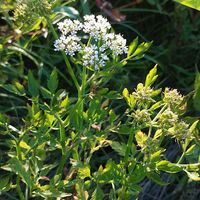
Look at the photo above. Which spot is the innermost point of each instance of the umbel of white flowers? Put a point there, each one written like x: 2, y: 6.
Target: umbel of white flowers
x: 91, y: 38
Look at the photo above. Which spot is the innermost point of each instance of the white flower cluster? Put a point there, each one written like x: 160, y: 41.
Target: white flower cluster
x: 96, y: 27
x: 90, y: 38
x: 70, y: 44
x: 94, y: 57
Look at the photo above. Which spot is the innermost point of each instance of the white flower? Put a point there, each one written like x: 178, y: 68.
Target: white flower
x: 70, y: 44
x: 70, y: 27
x: 94, y: 57
x: 100, y: 45
x: 96, y: 27
x: 116, y: 43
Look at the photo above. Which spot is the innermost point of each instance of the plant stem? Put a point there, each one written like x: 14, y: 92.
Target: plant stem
x: 181, y: 158
x: 155, y: 118
x: 21, y: 196
x: 130, y: 141
x: 82, y: 93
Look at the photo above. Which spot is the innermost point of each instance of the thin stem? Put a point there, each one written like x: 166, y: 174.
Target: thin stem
x: 130, y: 141
x: 181, y: 158
x: 155, y: 118
x: 21, y: 195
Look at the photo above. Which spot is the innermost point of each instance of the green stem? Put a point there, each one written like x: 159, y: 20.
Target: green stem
x: 21, y: 195
x: 130, y: 141
x: 181, y: 158
x: 62, y: 142
x: 68, y: 65
x: 155, y: 118
x: 83, y: 86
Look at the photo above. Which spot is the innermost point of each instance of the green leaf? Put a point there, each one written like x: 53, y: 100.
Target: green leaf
x: 24, y: 145
x: 169, y: 167
x: 151, y: 77
x: 193, y: 126
x: 133, y: 46
x: 141, y: 138
x: 97, y: 194
x: 84, y: 171
x: 4, y: 183
x: 156, y: 178
x: 190, y: 150
x: 15, y: 88
x: 196, y: 97
x: 119, y: 148
x: 190, y: 3
x: 53, y: 81
x: 67, y: 11
x: 33, y: 86
x: 193, y: 176
x: 141, y: 49
x: 19, y: 168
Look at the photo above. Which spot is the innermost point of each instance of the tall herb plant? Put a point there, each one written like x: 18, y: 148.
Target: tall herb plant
x: 90, y: 142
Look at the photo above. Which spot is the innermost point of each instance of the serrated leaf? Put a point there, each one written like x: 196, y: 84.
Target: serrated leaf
x: 97, y: 194
x: 156, y: 178
x: 15, y: 88
x: 18, y: 168
x: 33, y: 86
x: 119, y: 148
x: 4, y: 182
x: 53, y: 81
x: 190, y: 3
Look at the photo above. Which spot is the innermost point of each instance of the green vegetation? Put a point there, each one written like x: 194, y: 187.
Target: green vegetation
x: 97, y: 108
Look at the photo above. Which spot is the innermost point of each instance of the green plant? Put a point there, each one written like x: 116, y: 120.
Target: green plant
x: 61, y: 145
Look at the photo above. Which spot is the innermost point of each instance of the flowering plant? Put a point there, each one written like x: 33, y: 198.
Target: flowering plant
x: 87, y: 141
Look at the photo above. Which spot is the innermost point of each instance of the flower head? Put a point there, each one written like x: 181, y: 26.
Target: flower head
x: 37, y: 8
x: 68, y: 44
x: 69, y: 26
x: 143, y: 94
x: 92, y: 56
x: 91, y: 39
x: 180, y: 131
x: 172, y: 97
x: 96, y: 26
x: 167, y: 119
x: 116, y: 43
x: 141, y: 117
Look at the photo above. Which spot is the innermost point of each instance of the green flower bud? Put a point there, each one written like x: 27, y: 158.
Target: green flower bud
x: 172, y: 98
x: 180, y: 131
x: 167, y: 119
x: 28, y: 11
x: 143, y: 94
x: 141, y: 117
